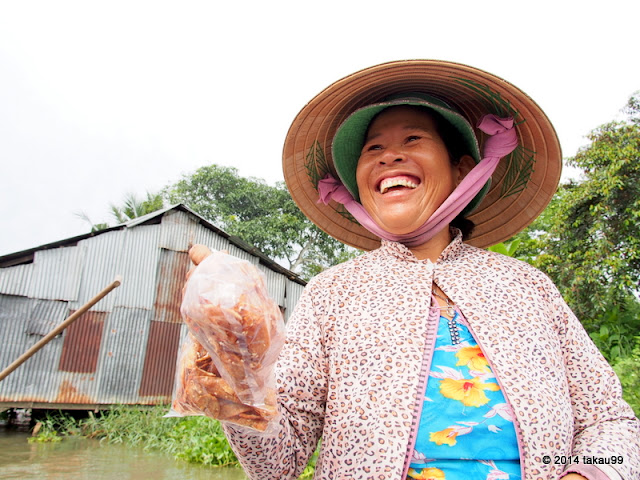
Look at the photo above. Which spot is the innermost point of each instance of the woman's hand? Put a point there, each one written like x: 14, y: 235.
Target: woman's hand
x: 197, y: 254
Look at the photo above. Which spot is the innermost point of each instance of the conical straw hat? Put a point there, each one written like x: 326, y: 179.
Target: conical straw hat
x: 522, y: 185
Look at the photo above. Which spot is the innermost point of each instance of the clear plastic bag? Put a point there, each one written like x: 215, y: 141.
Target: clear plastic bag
x: 236, y: 333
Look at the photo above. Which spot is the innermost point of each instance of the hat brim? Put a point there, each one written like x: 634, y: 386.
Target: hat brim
x: 522, y: 185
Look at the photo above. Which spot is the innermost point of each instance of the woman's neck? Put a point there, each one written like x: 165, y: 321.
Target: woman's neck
x: 434, y: 247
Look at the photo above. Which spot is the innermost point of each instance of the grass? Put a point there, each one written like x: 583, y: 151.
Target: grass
x: 191, y: 439
x: 628, y: 369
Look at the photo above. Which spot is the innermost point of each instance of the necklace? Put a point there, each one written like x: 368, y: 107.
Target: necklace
x: 451, y: 322
x: 449, y: 308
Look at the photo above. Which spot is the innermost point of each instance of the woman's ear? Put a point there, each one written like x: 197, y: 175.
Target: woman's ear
x: 463, y: 167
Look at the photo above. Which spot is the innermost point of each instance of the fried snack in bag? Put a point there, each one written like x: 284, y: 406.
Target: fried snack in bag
x: 201, y: 391
x: 236, y: 333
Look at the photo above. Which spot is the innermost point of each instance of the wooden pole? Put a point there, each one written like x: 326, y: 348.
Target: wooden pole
x: 53, y: 333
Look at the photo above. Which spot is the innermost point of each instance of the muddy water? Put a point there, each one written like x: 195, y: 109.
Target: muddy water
x: 79, y: 459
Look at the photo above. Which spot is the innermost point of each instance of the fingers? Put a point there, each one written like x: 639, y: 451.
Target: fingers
x: 198, y: 253
x: 191, y: 270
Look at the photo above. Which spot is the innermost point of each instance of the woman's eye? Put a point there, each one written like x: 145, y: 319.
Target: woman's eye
x: 373, y: 147
x: 413, y: 138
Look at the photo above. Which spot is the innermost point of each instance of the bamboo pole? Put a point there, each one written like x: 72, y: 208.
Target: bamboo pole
x: 72, y: 318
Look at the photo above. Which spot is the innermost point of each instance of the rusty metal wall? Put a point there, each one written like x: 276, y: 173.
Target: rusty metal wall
x: 36, y: 378
x: 15, y: 280
x: 138, y: 267
x: 125, y: 350
x: 122, y: 355
x: 238, y: 252
x: 103, y: 262
x: 56, y: 274
x: 81, y: 346
x: 172, y: 270
x: 275, y: 282
x: 214, y: 241
x: 293, y: 292
x: 178, y: 231
x: 161, y: 354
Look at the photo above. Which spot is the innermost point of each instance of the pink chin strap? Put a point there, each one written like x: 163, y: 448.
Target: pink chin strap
x: 503, y: 140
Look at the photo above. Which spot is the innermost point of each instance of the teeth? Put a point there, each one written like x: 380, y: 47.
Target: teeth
x: 387, y: 183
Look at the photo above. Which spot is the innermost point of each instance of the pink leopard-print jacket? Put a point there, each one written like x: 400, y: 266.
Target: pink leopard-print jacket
x: 359, y: 346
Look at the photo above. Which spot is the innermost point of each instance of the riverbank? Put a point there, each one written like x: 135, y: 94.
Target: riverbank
x: 77, y: 458
x: 196, y: 440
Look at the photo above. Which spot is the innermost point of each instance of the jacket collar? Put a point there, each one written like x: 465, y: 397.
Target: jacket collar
x: 402, y: 252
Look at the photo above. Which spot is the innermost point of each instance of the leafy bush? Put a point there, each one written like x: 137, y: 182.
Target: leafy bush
x: 192, y: 439
x: 615, y: 329
x: 209, y: 449
x: 309, y: 470
x: 54, y: 427
x: 46, y: 432
x: 628, y: 369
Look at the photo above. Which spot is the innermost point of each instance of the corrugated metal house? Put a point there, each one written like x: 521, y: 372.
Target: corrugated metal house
x: 124, y: 349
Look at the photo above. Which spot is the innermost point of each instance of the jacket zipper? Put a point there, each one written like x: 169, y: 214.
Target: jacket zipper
x: 430, y: 341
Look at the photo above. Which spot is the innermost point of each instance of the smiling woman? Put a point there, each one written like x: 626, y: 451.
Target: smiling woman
x: 428, y: 357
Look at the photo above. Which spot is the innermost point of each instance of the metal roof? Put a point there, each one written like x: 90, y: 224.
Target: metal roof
x: 26, y: 256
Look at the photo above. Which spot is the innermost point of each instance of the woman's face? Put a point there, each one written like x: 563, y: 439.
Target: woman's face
x: 404, y: 172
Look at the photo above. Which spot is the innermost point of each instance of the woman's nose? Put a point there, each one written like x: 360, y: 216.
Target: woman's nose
x: 392, y: 156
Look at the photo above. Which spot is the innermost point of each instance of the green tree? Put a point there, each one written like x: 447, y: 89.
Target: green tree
x: 628, y: 369
x: 614, y: 329
x: 260, y: 214
x: 95, y: 227
x: 506, y: 248
x: 596, y: 236
x: 588, y: 239
x: 133, y: 207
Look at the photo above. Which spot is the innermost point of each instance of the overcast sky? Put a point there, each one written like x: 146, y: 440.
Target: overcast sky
x: 101, y: 99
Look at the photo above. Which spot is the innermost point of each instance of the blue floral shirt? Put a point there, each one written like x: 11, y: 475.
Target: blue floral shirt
x: 466, y: 427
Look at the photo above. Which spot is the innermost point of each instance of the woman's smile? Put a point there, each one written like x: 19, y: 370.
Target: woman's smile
x: 397, y: 183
